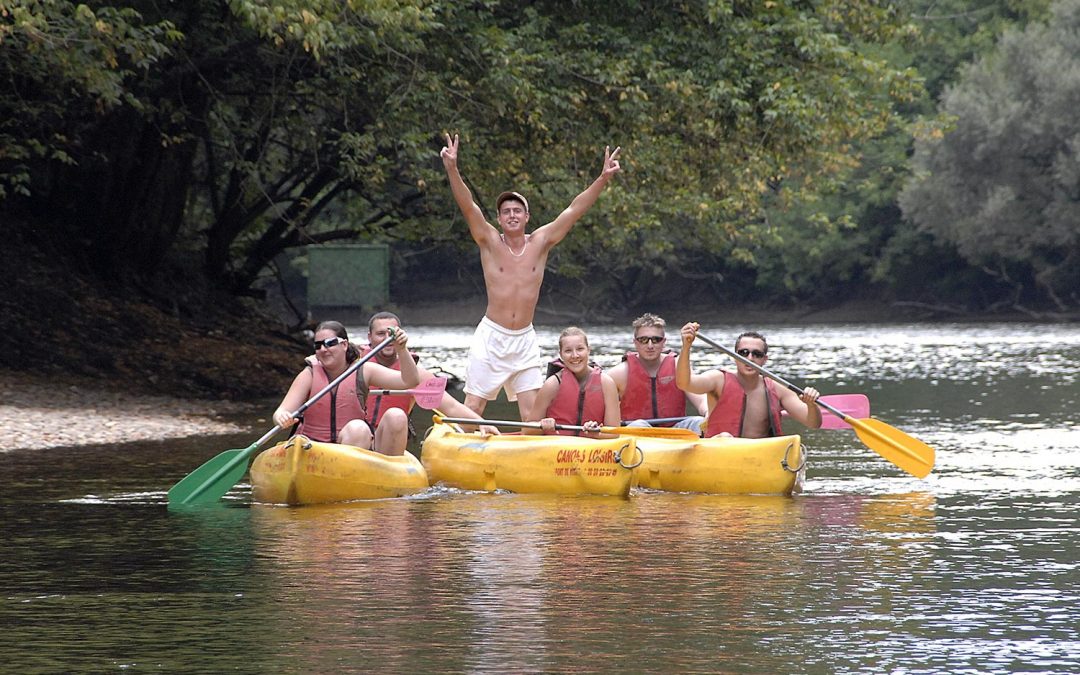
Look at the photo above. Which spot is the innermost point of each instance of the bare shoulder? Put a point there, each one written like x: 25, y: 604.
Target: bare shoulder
x: 541, y: 237
x: 716, y: 377
x: 550, y: 384
x: 486, y: 235
x: 788, y: 397
x: 618, y: 373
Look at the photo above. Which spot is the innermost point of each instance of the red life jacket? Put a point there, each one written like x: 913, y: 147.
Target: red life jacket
x: 323, y: 420
x: 727, y: 414
x: 649, y: 397
x: 576, y: 404
x: 378, y: 405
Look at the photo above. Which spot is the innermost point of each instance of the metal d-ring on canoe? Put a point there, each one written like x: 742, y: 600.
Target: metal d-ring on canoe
x: 622, y: 451
x: 787, y: 465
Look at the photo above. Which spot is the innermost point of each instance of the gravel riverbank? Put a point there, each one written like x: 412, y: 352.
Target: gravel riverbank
x: 66, y: 412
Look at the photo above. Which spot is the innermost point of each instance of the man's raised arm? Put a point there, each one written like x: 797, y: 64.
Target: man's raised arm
x: 685, y: 378
x: 556, y: 230
x: 474, y: 217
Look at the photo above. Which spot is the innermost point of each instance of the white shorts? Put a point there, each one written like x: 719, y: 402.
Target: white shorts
x: 500, y: 357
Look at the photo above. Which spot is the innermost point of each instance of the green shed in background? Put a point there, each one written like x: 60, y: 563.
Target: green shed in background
x: 348, y: 276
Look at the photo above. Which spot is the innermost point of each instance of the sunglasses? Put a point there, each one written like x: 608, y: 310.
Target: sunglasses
x: 646, y: 339
x: 746, y: 353
x: 328, y: 342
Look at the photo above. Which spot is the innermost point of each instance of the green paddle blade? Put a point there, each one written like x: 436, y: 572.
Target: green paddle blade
x: 212, y: 480
x: 906, y: 452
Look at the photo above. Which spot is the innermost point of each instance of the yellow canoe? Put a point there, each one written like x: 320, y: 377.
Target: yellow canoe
x: 302, y: 471
x: 529, y: 464
x: 722, y: 465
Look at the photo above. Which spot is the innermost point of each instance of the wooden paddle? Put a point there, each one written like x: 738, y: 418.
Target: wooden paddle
x: 428, y: 395
x: 651, y: 432
x: 210, y: 482
x: 906, y: 452
x: 855, y: 405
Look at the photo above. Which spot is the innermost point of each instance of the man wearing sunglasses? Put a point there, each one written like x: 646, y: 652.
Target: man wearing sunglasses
x: 744, y: 403
x: 504, y: 353
x: 646, y: 381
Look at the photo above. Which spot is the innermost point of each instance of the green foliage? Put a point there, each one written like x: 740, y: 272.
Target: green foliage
x: 849, y: 237
x: 1002, y: 184
x: 65, y: 64
x: 713, y: 103
x: 761, y: 138
x: 954, y: 33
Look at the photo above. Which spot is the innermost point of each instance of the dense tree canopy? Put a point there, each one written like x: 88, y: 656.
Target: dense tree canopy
x: 1002, y: 183
x: 242, y: 128
x: 765, y: 141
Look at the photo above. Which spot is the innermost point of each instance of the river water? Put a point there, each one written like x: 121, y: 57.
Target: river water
x: 973, y: 569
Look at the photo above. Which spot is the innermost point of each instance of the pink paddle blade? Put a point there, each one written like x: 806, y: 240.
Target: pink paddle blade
x: 852, y: 405
x: 429, y: 394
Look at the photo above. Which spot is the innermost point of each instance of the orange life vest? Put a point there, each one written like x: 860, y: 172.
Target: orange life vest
x: 576, y: 403
x: 727, y: 414
x: 650, y: 397
x: 324, y: 420
x: 377, y: 405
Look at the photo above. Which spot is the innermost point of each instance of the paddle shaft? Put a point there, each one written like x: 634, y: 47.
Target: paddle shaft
x: 397, y: 392
x: 510, y: 423
x: 435, y: 385
x: 661, y: 420
x: 855, y: 405
x: 617, y: 431
x: 242, y: 456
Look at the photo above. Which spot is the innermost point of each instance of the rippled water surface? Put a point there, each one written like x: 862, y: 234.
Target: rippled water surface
x: 973, y: 569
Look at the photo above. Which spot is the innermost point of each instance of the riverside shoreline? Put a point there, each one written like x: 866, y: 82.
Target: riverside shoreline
x: 40, y: 411
x: 61, y: 412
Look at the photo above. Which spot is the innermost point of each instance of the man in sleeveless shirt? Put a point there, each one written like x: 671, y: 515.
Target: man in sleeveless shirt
x: 504, y: 352
x: 646, y: 381
x: 744, y: 403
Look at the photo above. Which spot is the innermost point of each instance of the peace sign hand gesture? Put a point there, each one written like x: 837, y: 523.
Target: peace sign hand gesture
x: 611, y: 162
x: 450, y: 152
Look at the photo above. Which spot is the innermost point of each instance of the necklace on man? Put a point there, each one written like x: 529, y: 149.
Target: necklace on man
x: 516, y: 255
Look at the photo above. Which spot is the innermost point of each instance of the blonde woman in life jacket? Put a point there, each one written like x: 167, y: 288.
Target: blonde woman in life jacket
x: 577, y: 393
x: 339, y: 416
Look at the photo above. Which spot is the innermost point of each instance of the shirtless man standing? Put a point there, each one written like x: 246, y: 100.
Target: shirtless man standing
x: 504, y: 351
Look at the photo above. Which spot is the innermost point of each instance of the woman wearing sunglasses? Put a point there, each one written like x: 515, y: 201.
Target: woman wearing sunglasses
x: 339, y: 416
x: 744, y: 403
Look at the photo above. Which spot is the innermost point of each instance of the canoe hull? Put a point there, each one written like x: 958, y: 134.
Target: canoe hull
x: 529, y: 464
x: 301, y: 471
x: 721, y: 465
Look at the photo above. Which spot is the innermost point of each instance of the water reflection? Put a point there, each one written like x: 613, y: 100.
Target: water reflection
x: 972, y: 569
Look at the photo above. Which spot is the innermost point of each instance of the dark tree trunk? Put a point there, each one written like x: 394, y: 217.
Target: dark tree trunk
x: 121, y: 207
